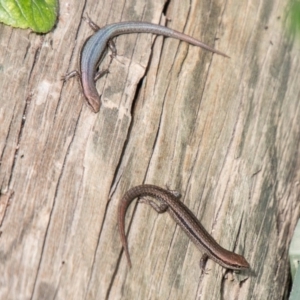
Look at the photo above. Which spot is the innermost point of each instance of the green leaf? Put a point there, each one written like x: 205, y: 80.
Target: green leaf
x: 39, y: 15
x: 294, y: 18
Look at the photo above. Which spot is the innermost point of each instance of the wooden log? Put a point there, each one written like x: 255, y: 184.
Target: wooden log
x: 224, y: 132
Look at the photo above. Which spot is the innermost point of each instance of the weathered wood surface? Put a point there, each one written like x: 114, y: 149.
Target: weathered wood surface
x: 224, y: 132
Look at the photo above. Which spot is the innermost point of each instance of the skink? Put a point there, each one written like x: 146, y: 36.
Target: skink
x: 186, y: 220
x: 94, y: 49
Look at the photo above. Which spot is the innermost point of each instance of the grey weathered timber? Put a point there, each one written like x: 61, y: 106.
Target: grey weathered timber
x: 224, y: 132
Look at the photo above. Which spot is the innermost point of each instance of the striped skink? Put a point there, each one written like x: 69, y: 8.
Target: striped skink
x: 185, y: 218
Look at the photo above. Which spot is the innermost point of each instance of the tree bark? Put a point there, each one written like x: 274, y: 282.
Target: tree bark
x: 223, y: 132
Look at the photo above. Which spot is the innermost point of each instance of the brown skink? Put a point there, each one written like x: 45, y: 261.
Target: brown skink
x: 169, y: 201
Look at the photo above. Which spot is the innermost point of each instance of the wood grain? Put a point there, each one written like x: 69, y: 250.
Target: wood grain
x: 224, y: 132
